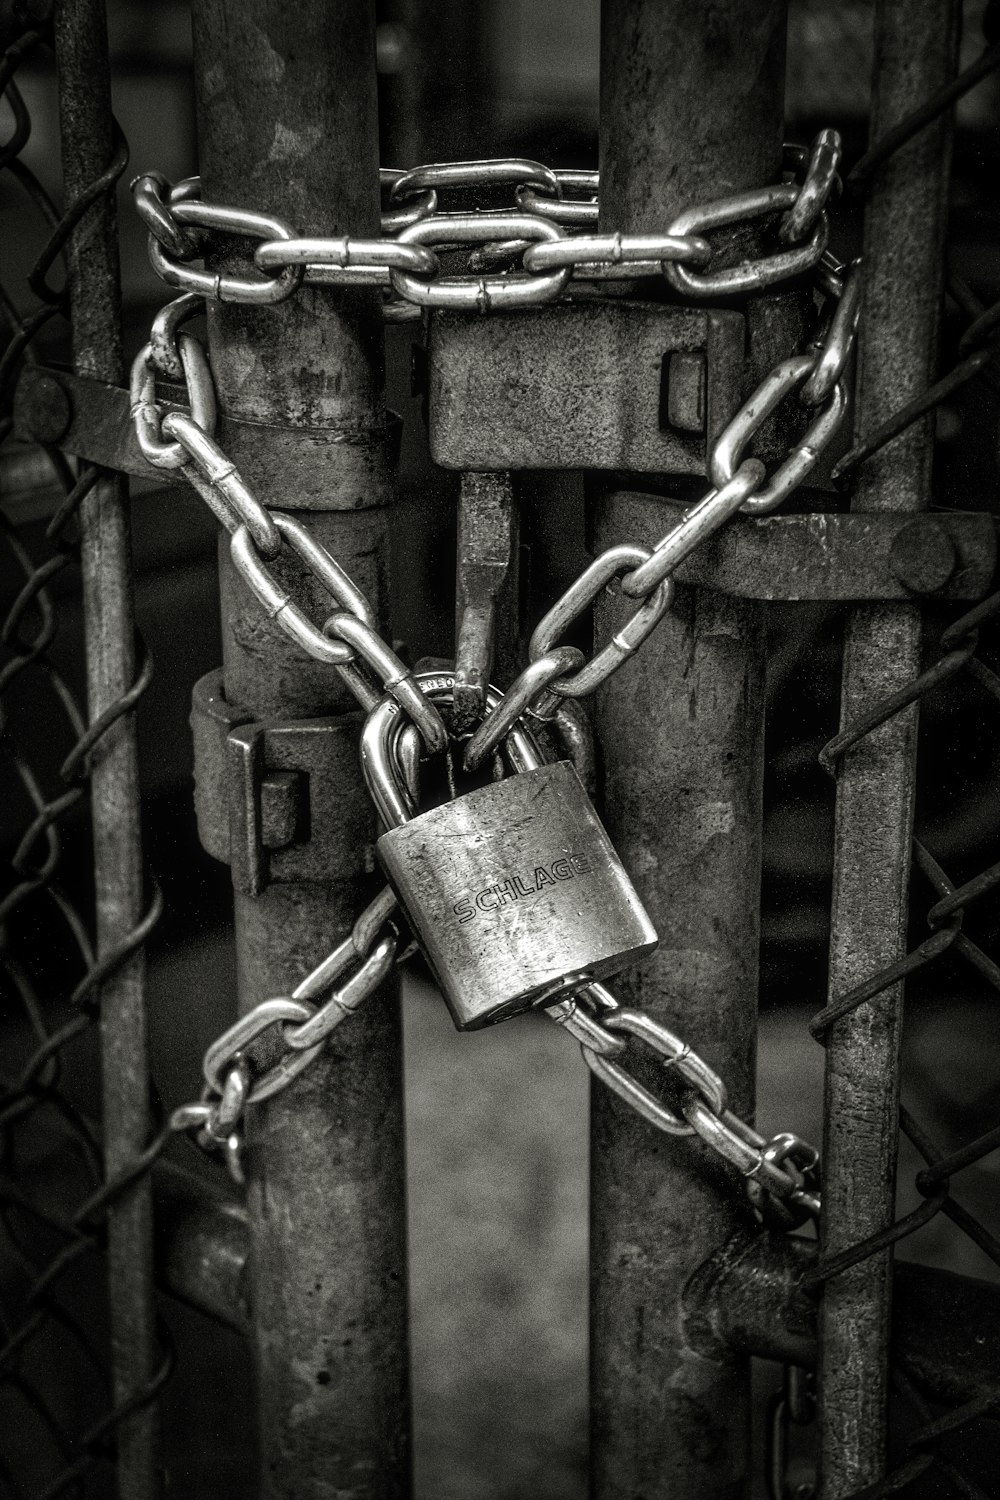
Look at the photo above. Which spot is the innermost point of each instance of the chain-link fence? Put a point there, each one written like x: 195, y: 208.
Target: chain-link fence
x: 62, y: 1415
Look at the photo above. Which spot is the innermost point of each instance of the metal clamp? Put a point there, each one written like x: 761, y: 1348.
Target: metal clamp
x: 279, y: 802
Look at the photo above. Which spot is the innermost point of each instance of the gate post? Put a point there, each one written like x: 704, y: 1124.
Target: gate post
x: 287, y: 125
x: 80, y: 34
x: 691, y: 109
x: 905, y: 218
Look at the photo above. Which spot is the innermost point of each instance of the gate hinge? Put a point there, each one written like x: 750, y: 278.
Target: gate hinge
x: 281, y: 802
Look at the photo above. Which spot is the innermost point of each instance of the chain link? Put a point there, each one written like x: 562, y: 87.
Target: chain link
x: 215, y: 284
x: 580, y: 595
x: 583, y: 211
x: 164, y: 350
x: 483, y: 293
x: 490, y: 173
x: 727, y: 451
x: 794, y: 1406
x: 739, y: 484
x: 349, y: 634
x: 784, y: 1167
x: 698, y: 524
x: 837, y: 338
x: 582, y: 251
x: 820, y: 182
x: 147, y: 416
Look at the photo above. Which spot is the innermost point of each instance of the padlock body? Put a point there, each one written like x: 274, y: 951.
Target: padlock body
x: 511, y: 888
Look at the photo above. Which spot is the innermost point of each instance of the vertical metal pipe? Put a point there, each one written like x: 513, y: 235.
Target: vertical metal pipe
x: 287, y: 123
x: 903, y: 251
x: 105, y: 550
x: 691, y: 108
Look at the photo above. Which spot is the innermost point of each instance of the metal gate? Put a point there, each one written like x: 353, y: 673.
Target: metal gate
x: 637, y: 357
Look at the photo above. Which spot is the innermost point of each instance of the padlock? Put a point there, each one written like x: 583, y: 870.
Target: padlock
x: 513, y: 890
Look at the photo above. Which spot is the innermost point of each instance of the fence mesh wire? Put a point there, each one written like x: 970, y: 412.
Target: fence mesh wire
x: 55, y: 1387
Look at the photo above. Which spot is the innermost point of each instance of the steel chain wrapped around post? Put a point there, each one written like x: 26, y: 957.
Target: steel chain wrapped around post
x: 406, y: 259
x: 372, y: 947
x: 567, y: 199
x: 412, y: 267
x: 538, y: 258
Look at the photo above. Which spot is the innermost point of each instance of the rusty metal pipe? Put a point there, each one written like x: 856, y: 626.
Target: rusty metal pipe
x: 692, y: 105
x: 691, y: 108
x: 201, y: 1247
x: 903, y: 257
x: 287, y: 124
x: 109, y: 626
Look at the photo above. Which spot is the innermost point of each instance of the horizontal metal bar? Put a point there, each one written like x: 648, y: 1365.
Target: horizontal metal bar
x: 200, y: 1246
x: 821, y: 556
x: 748, y: 1298
x: 830, y: 556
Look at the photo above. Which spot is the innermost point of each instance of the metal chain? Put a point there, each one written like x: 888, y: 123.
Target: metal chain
x: 784, y: 1167
x: 738, y: 484
x: 408, y: 262
x: 371, y: 949
x: 406, y: 259
x: 794, y: 1406
x: 349, y: 635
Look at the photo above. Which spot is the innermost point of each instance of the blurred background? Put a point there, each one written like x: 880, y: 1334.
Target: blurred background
x: 497, y: 1121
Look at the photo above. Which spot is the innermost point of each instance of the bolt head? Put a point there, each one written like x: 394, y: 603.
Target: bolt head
x: 44, y: 408
x: 923, y: 556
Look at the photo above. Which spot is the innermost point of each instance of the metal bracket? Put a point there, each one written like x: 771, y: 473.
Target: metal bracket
x: 279, y: 802
x: 88, y: 418
x: 619, y: 384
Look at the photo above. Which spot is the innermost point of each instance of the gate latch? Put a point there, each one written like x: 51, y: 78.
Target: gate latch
x: 644, y: 387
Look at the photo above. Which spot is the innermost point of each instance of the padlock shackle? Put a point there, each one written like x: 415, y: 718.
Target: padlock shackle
x: 522, y: 749
x: 392, y: 802
x: 379, y: 747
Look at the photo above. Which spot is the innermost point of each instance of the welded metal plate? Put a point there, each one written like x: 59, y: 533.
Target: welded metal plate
x: 617, y: 384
